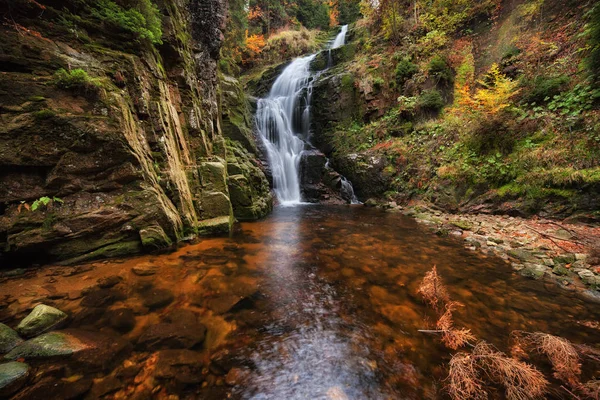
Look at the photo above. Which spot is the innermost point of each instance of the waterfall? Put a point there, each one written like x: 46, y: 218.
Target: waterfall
x: 280, y: 118
x: 283, y: 122
x: 340, y: 39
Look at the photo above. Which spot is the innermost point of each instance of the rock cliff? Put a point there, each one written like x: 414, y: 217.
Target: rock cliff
x: 110, y: 135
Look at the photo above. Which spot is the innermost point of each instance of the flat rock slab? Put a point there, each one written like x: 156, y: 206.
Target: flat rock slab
x: 50, y: 344
x: 12, y: 377
x: 41, y: 319
x: 9, y: 339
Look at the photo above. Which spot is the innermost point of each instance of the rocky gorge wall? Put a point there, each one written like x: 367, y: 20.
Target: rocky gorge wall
x: 110, y: 144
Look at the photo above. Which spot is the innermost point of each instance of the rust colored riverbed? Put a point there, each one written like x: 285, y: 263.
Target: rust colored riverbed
x: 314, y: 302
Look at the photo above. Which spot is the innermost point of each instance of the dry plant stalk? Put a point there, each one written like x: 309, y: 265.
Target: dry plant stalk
x: 521, y: 380
x: 453, y: 338
x: 433, y: 290
x: 591, y: 389
x: 562, y: 354
x: 464, y: 380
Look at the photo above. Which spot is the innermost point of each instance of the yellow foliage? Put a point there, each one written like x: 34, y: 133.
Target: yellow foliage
x: 493, y: 98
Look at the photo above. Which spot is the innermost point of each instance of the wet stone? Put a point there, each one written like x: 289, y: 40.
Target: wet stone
x: 12, y: 377
x: 183, y: 366
x: 560, y: 270
x: 157, y: 298
x: 104, y: 386
x: 50, y: 344
x: 121, y: 319
x: 53, y: 388
x: 145, y: 269
x: 99, y: 297
x: 41, y: 319
x: 181, y: 335
x: 9, y: 339
x: 109, y: 281
x: 236, y: 376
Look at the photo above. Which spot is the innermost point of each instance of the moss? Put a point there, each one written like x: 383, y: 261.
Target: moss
x: 347, y: 83
x: 44, y: 114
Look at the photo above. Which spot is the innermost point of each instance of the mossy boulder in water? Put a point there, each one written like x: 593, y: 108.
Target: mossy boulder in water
x: 12, y: 377
x: 50, y: 344
x: 154, y: 237
x: 8, y: 339
x: 41, y: 319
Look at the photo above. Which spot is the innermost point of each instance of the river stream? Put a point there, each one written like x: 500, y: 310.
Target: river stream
x: 313, y: 302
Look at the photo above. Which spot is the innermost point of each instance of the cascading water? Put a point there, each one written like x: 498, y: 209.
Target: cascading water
x: 340, y: 39
x: 283, y: 121
x: 277, y: 121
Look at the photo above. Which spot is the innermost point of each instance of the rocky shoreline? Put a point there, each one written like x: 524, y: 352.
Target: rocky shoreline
x: 564, y: 253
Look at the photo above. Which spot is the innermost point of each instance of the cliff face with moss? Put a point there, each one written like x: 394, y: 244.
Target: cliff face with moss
x: 111, y: 138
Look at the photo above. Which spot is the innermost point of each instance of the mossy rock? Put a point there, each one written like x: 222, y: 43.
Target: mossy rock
x: 52, y: 344
x: 154, y: 237
x: 41, y: 319
x: 9, y: 339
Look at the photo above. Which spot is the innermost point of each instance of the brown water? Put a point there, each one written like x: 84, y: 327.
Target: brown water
x: 314, y: 302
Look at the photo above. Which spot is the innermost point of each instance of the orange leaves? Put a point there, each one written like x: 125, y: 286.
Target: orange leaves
x: 255, y: 14
x: 334, y: 13
x: 255, y: 44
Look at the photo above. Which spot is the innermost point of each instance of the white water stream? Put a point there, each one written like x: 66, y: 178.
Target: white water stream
x: 283, y: 121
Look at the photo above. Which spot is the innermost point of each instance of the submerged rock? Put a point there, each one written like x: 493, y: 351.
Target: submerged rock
x: 12, y: 377
x: 121, y: 319
x: 145, y: 269
x: 157, y: 298
x: 184, y: 335
x: 41, y: 319
x: 184, y: 366
x: 9, y: 339
x: 47, y: 345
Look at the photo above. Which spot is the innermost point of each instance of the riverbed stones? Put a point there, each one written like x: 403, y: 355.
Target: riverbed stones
x: 121, y: 319
x: 157, y: 298
x: 50, y: 344
x: 534, y: 271
x: 589, y: 278
x: 521, y: 254
x: 9, y: 339
x: 179, y: 365
x: 109, y: 281
x: 41, y: 319
x: 180, y: 335
x: 12, y: 377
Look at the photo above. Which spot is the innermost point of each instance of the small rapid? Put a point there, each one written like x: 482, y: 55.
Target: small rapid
x: 283, y: 122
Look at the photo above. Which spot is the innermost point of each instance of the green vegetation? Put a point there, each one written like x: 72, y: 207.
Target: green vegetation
x: 593, y: 32
x: 431, y: 100
x: 439, y: 70
x: 544, y: 88
x: 45, y: 201
x: 405, y: 70
x: 141, y: 18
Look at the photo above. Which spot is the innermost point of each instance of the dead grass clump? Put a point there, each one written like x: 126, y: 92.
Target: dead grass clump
x: 591, y: 389
x: 560, y: 352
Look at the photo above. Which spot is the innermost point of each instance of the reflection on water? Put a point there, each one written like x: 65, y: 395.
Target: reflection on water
x: 320, y: 302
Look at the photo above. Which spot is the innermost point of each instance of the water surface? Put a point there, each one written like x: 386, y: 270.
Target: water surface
x: 319, y: 302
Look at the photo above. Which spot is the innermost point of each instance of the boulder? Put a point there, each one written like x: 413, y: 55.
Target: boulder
x: 12, y: 377
x: 145, y: 269
x: 9, y: 339
x: 41, y: 319
x: 121, y: 319
x: 154, y: 237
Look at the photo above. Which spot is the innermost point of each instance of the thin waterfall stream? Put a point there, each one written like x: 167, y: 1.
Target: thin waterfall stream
x: 283, y: 122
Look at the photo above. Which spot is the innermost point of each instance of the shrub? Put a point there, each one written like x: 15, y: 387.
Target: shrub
x: 405, y: 70
x: 440, y: 70
x: 544, y: 88
x: 431, y: 100
x: 143, y: 18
